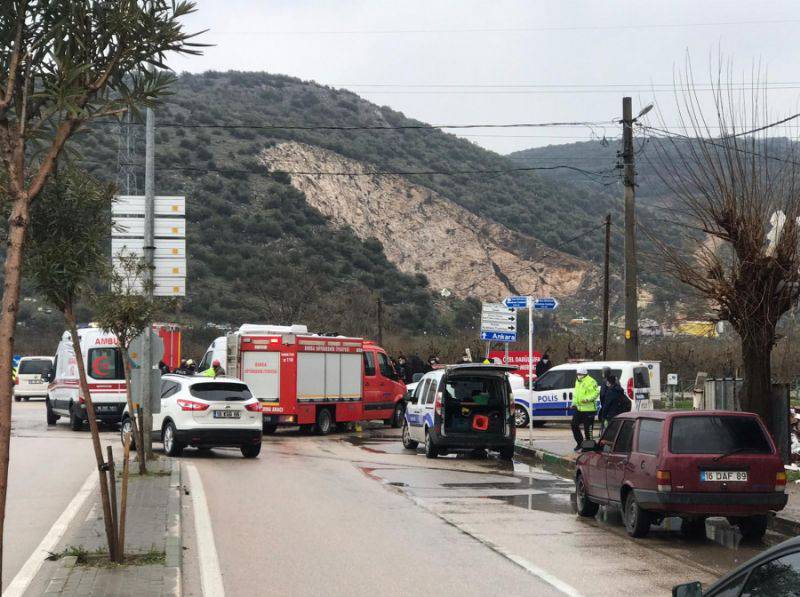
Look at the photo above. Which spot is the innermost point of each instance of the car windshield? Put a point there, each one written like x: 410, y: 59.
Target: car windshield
x: 717, y: 435
x: 35, y: 367
x: 214, y: 392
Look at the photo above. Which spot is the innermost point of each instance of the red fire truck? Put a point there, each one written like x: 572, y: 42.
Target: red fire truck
x: 311, y: 380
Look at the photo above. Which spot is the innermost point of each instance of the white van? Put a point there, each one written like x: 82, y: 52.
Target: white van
x: 103, y: 361
x: 552, y: 392
x: 32, y: 375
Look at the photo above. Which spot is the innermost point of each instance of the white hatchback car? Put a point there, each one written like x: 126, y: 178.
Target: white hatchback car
x: 203, y: 412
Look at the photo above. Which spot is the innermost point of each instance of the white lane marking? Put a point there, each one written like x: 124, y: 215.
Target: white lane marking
x: 31, y: 567
x: 529, y: 567
x: 210, y: 573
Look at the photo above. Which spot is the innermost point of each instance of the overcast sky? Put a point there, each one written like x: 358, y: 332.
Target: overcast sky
x: 498, y: 61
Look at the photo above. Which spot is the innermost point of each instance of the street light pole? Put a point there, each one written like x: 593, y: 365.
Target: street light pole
x: 149, y: 255
x: 629, y: 182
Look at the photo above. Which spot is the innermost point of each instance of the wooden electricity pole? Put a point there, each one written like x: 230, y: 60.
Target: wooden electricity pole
x: 629, y: 176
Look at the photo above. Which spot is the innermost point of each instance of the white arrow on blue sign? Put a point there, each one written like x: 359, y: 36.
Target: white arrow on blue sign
x: 545, y: 304
x: 516, y: 302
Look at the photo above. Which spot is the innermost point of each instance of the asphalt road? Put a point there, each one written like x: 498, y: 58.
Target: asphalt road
x: 349, y: 515
x: 48, y: 465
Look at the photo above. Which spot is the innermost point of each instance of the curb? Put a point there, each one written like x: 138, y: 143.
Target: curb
x: 174, y: 544
x: 778, y: 523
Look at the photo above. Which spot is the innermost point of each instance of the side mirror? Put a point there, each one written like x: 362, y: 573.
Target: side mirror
x: 48, y: 377
x: 589, y: 445
x: 689, y: 589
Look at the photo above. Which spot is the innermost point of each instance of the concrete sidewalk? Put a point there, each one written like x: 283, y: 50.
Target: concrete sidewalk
x: 554, y: 446
x: 153, y: 530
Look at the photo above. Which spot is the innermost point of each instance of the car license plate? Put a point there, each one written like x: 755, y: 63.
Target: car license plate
x: 33, y: 382
x: 226, y: 414
x: 103, y: 409
x: 740, y: 476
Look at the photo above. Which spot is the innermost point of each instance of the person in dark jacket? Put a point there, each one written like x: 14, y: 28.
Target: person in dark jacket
x: 613, y: 400
x: 543, y: 365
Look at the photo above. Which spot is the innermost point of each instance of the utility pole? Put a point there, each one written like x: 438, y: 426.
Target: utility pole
x: 605, y: 287
x: 149, y: 256
x: 629, y: 180
x: 380, y: 321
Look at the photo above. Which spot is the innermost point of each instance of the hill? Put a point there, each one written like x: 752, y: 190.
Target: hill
x: 262, y: 246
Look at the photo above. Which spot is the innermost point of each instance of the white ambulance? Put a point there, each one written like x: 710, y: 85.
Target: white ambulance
x: 105, y: 375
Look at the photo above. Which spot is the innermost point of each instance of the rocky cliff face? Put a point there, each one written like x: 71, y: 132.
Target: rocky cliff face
x: 422, y: 232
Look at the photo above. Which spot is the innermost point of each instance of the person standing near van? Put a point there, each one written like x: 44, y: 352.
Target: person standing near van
x: 613, y: 400
x: 215, y: 370
x: 584, y: 398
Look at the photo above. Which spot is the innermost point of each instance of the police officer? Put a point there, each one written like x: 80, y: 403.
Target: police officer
x: 584, y: 398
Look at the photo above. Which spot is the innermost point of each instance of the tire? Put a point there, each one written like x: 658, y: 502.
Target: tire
x: 396, y: 419
x: 75, y: 422
x: 325, y: 422
x: 637, y: 521
x: 51, y: 416
x: 127, y: 427
x: 431, y: 451
x: 269, y: 429
x: 172, y: 447
x: 408, y: 443
x: 521, y: 418
x: 753, y: 527
x: 251, y: 450
x: 693, y: 528
x: 507, y: 453
x: 586, y: 507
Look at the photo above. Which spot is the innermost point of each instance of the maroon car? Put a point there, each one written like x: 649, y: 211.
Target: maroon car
x: 691, y: 464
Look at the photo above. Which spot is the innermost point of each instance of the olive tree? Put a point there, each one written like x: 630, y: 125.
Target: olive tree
x: 64, y: 64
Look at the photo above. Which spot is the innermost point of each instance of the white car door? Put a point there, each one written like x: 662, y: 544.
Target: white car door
x: 414, y: 411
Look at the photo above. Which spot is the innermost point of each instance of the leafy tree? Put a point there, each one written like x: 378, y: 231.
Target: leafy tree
x: 63, y: 64
x: 64, y: 262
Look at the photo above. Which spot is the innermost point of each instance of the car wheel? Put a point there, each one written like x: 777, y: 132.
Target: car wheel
x: 507, y: 453
x: 127, y: 427
x: 637, y: 521
x: 51, y: 416
x: 172, y: 447
x: 269, y: 429
x: 251, y: 450
x: 753, y: 527
x: 431, y: 451
x: 693, y: 528
x: 397, y: 416
x: 586, y: 507
x: 408, y: 443
x: 324, y: 422
x: 75, y: 421
x: 521, y: 418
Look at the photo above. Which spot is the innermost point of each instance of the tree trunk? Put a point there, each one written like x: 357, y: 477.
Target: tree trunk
x: 111, y: 533
x: 12, y: 270
x: 136, y: 425
x: 757, y: 382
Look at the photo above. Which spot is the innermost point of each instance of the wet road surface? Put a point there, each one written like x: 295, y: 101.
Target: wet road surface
x: 356, y: 513
x: 48, y: 465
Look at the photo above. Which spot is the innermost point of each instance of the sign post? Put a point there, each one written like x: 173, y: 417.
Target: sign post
x: 540, y: 304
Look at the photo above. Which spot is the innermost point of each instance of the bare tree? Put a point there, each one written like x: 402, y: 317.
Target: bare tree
x: 735, y: 202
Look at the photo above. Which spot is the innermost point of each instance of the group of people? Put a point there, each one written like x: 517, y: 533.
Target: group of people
x: 188, y: 367
x: 613, y: 402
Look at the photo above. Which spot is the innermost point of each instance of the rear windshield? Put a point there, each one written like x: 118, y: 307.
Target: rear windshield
x: 220, y: 391
x: 717, y: 435
x: 35, y: 367
x: 641, y: 377
x: 105, y: 363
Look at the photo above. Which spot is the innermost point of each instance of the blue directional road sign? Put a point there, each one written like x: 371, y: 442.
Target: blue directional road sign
x: 499, y: 336
x: 545, y: 304
x: 516, y: 302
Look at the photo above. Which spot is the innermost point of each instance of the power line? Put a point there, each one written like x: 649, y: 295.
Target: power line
x: 518, y: 84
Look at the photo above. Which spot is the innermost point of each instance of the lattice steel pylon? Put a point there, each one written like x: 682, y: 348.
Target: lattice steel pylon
x: 126, y: 152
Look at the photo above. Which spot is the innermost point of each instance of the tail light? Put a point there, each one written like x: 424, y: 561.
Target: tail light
x: 780, y: 481
x: 16, y: 380
x: 253, y: 407
x: 630, y: 388
x: 664, y: 480
x: 191, y: 405
x: 437, y: 406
